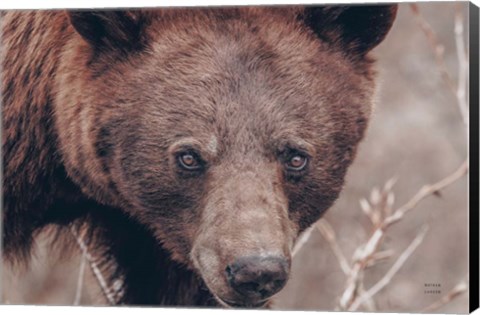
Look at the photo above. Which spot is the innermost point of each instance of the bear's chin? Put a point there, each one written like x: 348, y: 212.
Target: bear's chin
x: 242, y: 304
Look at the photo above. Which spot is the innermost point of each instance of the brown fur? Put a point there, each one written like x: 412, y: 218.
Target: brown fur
x: 97, y: 107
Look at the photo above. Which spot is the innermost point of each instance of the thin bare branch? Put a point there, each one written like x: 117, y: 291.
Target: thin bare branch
x: 328, y: 233
x: 461, y: 92
x: 379, y: 257
x: 369, y: 304
x: 391, y: 272
x: 95, y: 269
x: 438, y: 49
x: 353, y: 283
x: 368, y: 210
x: 458, y: 290
x: 81, y: 276
x: 361, y: 258
x: 424, y: 192
x: 302, y: 240
x: 364, y: 255
x: 459, y: 89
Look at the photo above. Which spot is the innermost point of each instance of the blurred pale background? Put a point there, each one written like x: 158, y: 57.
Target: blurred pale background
x: 416, y: 133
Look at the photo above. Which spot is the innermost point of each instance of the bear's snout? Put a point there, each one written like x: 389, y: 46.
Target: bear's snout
x: 257, y: 277
x: 242, y: 248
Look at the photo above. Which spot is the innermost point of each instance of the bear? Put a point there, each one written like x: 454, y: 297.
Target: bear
x: 189, y: 147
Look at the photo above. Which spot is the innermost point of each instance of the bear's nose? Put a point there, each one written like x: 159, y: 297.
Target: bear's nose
x: 257, y: 277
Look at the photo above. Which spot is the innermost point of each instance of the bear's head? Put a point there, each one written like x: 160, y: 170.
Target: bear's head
x: 225, y: 132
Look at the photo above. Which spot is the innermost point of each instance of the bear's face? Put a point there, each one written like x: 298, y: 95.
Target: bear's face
x: 225, y: 132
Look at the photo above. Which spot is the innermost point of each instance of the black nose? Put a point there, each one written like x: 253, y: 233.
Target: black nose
x: 257, y: 277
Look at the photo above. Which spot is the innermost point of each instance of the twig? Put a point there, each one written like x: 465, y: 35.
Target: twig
x: 301, y: 241
x: 438, y: 49
x: 364, y: 255
x: 379, y: 256
x: 95, y: 269
x: 462, y: 65
x: 424, y: 192
x: 391, y: 272
x: 455, y: 292
x: 369, y: 304
x: 329, y: 234
x: 81, y: 276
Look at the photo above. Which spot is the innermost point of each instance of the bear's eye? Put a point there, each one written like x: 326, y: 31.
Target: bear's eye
x: 189, y: 161
x: 297, y: 162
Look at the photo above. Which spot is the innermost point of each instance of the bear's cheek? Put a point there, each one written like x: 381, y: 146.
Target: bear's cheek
x: 170, y: 208
x: 308, y: 205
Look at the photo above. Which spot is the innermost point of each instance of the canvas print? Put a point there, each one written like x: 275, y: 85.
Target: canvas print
x: 309, y: 157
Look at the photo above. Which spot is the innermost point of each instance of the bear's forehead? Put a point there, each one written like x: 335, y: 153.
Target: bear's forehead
x: 255, y: 74
x: 235, y: 91
x: 231, y: 63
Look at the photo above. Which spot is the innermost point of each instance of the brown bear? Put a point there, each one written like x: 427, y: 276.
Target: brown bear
x: 193, y: 145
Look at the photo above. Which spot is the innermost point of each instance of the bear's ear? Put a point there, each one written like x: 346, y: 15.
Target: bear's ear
x: 357, y: 29
x: 109, y: 29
